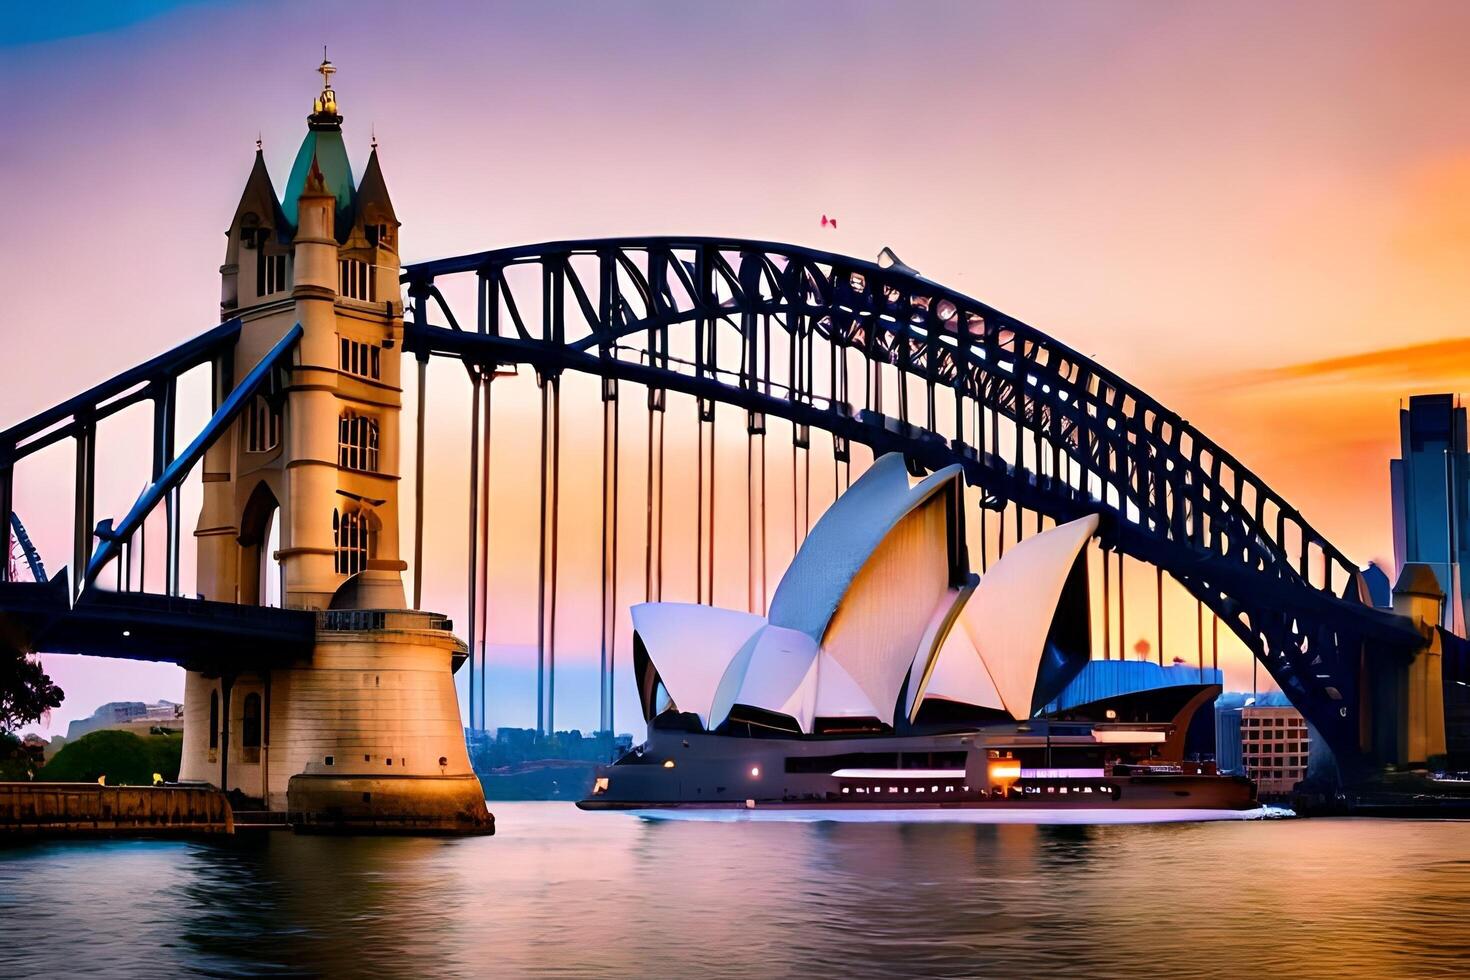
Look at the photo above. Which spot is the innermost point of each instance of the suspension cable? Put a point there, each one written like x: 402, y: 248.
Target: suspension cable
x: 755, y: 511
x: 473, y: 573
x: 1122, y: 631
x: 1215, y: 628
x: 1160, y: 572
x: 541, y: 570
x: 609, y: 549
x: 1199, y: 628
x: 483, y: 601
x: 555, y: 526
x: 654, y: 528
x: 699, y: 503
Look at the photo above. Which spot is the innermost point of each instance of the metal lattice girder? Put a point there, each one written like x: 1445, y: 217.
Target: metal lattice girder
x: 1168, y: 471
x: 1169, y: 495
x: 112, y: 396
x: 113, y: 537
x: 77, y: 418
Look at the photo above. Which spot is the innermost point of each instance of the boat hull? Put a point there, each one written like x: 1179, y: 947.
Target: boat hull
x: 948, y: 772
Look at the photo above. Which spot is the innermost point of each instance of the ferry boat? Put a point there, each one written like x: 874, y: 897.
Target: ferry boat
x: 1042, y: 765
x: 887, y: 675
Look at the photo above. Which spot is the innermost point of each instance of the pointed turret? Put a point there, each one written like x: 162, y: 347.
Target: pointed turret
x: 255, y: 230
x: 374, y: 206
x: 258, y: 207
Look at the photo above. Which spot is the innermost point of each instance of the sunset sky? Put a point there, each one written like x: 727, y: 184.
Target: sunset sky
x: 1259, y: 212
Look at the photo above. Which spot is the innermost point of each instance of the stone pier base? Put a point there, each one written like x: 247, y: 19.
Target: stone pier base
x: 409, y: 804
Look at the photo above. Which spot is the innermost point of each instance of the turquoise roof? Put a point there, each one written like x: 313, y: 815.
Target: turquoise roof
x: 331, y: 158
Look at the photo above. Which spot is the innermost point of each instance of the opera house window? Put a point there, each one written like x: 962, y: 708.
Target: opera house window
x: 357, y: 442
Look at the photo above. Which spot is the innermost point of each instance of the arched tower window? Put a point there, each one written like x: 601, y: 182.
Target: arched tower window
x: 270, y: 269
x: 262, y: 426
x: 357, y: 442
x: 250, y: 727
x: 356, y: 540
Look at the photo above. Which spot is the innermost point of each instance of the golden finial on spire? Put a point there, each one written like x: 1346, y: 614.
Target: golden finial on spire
x: 327, y: 101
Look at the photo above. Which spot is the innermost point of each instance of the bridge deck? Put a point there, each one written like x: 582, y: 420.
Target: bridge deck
x: 193, y: 633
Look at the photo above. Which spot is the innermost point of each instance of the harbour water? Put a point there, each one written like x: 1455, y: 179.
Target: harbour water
x: 566, y: 893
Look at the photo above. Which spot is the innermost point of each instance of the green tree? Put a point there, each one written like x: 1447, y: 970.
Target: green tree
x: 26, y: 693
x: 124, y: 758
x: 19, y: 758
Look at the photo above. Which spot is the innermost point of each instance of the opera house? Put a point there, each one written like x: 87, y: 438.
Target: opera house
x: 888, y: 674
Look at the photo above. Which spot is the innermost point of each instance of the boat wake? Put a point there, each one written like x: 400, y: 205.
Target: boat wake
x: 973, y: 816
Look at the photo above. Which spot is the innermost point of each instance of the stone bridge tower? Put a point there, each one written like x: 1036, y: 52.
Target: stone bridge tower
x: 301, y: 511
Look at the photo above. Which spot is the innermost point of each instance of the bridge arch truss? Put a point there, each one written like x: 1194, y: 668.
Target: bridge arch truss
x: 878, y: 355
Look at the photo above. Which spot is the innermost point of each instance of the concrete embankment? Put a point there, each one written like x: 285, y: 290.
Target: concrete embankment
x: 87, y: 809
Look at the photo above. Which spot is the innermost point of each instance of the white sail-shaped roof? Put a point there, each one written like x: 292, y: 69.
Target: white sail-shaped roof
x: 865, y: 580
x: 843, y: 540
x: 882, y: 618
x: 691, y: 646
x: 1011, y: 611
x: 868, y: 602
x: 960, y: 674
x: 775, y: 670
x: 784, y: 671
x: 947, y: 666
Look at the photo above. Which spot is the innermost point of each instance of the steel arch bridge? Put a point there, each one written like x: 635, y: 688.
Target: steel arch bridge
x: 816, y: 338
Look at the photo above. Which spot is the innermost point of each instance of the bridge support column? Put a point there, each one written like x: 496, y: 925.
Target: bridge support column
x: 1406, y: 724
x: 86, y: 489
x: 7, y: 504
x: 368, y: 734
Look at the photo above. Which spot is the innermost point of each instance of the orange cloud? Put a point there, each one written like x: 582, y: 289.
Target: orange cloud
x: 1418, y: 365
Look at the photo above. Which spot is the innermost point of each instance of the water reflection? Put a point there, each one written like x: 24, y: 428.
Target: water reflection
x: 564, y: 893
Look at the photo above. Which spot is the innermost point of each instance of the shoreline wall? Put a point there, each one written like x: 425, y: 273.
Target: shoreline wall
x: 81, y: 809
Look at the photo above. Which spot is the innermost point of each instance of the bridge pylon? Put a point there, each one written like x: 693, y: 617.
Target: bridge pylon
x: 300, y: 510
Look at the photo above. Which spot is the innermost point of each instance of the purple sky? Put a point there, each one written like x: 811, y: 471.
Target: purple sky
x: 1210, y: 198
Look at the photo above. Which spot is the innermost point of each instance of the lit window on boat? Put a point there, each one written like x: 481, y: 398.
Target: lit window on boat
x: 919, y: 789
x: 844, y: 789
x: 893, y: 789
